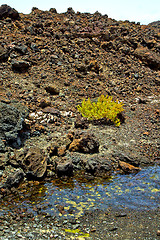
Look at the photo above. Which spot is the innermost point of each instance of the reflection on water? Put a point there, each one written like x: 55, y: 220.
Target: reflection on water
x: 137, y: 191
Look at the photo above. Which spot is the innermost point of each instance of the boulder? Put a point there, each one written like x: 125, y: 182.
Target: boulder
x: 85, y: 143
x: 148, y: 57
x: 33, y: 161
x: 133, y: 159
x: 7, y: 11
x: 98, y: 166
x: 11, y: 123
x: 21, y: 49
x: 64, y: 169
x: 53, y: 10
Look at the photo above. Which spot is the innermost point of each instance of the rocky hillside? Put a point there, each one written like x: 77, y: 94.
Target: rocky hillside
x: 51, y: 61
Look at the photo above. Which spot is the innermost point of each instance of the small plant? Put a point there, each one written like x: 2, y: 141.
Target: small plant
x: 105, y: 107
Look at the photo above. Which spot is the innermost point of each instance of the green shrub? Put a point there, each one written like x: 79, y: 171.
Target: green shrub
x: 105, y: 107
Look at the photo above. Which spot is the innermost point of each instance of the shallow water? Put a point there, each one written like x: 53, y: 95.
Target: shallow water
x: 71, y: 199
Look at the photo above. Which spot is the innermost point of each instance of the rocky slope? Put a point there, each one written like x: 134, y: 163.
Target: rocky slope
x: 49, y: 63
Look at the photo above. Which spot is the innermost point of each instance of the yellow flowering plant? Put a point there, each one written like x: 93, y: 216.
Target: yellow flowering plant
x: 105, y: 107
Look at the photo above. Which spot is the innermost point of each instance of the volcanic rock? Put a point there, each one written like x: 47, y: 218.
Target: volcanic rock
x: 98, y: 166
x: 7, y: 11
x: 84, y: 142
x: 14, y: 179
x: 3, y: 54
x: 20, y: 65
x: 11, y: 123
x: 128, y: 168
x: 50, y: 62
x: 148, y: 57
x: 64, y: 169
x: 33, y: 161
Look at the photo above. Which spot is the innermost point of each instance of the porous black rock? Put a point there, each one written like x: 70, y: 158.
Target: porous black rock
x: 11, y: 122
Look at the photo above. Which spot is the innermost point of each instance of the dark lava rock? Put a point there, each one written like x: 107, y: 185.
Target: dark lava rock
x: 53, y: 10
x: 99, y: 166
x: 70, y: 10
x: 7, y: 11
x: 2, y: 146
x: 64, y: 169
x: 11, y: 122
x: 20, y: 65
x: 125, y: 158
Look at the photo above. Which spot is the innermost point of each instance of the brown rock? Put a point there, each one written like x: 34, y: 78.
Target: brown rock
x: 148, y: 57
x: 20, y: 65
x: 62, y: 150
x: 52, y: 90
x: 128, y: 168
x: 44, y: 102
x: 85, y: 143
x: 3, y: 160
x: 33, y: 161
x: 51, y: 110
x: 75, y: 145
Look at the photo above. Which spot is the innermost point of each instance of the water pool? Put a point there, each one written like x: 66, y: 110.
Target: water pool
x: 72, y: 198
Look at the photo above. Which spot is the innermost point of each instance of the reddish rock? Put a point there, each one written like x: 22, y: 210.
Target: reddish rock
x: 61, y: 151
x: 85, y: 143
x: 148, y: 57
x: 128, y: 168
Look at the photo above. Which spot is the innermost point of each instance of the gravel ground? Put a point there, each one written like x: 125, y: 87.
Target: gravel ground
x: 111, y: 224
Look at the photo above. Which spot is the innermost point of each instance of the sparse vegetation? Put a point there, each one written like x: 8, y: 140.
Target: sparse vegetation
x: 105, y: 107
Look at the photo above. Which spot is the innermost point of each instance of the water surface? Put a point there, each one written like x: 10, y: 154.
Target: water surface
x: 139, y: 191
